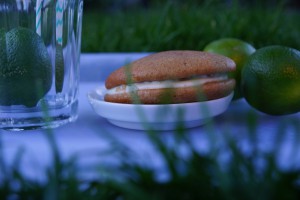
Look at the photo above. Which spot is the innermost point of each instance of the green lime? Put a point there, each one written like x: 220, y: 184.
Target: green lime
x: 59, y: 68
x: 271, y: 80
x: 25, y: 71
x: 239, y: 51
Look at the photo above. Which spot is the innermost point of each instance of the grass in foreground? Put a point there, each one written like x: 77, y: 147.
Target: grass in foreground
x: 226, y: 170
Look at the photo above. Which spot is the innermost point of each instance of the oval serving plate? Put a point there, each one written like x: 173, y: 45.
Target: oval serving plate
x: 156, y: 117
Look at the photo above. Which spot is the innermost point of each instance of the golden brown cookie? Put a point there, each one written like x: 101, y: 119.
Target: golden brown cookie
x: 171, y: 77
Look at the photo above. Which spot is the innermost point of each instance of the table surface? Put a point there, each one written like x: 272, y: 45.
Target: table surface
x: 90, y: 132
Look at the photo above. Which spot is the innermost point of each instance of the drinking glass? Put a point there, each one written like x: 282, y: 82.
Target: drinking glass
x: 40, y: 44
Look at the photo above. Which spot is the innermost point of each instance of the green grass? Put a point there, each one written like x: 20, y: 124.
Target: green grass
x: 187, y: 27
x: 202, y: 174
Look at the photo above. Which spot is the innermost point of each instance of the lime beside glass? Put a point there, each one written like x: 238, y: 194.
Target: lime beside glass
x: 271, y: 80
x: 236, y: 49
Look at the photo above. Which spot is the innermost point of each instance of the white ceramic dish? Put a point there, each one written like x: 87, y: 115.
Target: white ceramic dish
x: 156, y: 117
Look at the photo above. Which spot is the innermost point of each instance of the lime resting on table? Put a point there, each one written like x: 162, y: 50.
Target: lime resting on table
x: 271, y: 80
x: 236, y: 49
x: 25, y: 68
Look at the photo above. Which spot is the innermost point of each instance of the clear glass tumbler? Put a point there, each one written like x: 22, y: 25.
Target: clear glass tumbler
x: 40, y: 44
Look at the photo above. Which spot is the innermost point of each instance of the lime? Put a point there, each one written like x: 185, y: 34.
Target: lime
x: 59, y: 68
x: 25, y: 71
x: 238, y: 50
x: 271, y: 80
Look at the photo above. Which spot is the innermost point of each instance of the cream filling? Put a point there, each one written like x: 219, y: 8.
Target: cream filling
x: 192, y: 82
